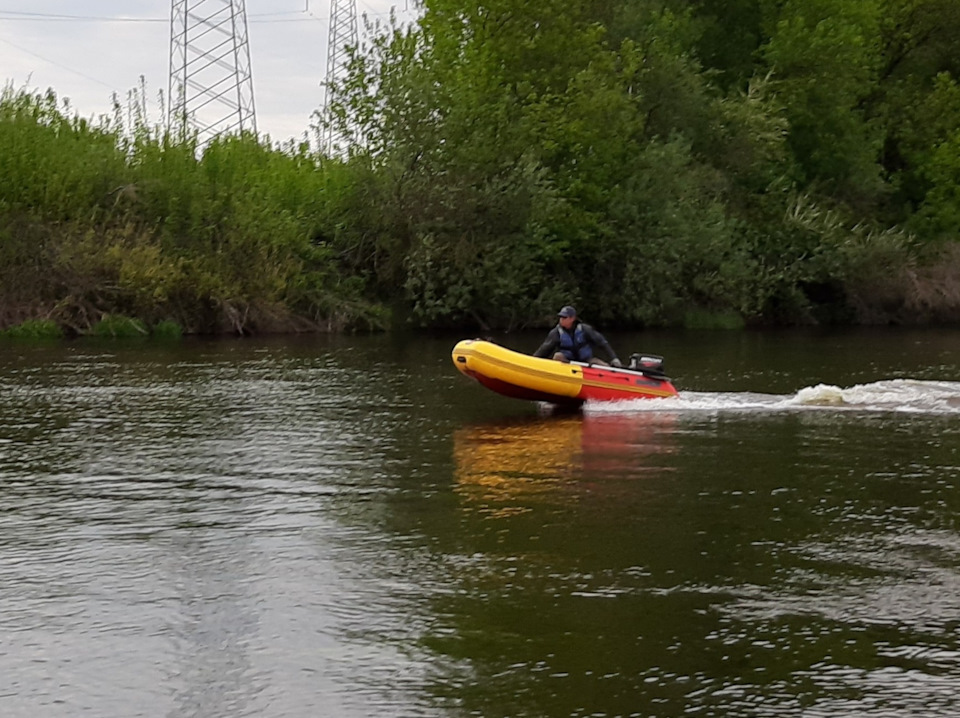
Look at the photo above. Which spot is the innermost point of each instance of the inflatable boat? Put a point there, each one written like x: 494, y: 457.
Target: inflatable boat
x: 522, y: 376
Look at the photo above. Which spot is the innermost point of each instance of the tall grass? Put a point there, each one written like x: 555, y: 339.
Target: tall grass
x: 100, y: 217
x: 33, y: 330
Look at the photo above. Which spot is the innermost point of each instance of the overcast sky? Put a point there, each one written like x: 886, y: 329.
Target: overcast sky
x: 86, y: 50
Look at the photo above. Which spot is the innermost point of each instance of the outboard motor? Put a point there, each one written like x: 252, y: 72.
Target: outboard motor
x: 649, y: 364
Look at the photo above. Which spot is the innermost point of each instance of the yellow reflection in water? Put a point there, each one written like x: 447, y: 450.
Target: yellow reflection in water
x: 505, y: 468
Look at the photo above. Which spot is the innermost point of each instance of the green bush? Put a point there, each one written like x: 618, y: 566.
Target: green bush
x: 118, y: 326
x: 34, y: 329
x: 167, y: 329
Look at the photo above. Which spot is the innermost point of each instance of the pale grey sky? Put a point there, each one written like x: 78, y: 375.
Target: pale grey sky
x: 86, y: 50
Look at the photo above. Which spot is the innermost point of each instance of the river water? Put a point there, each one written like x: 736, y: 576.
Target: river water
x: 348, y: 527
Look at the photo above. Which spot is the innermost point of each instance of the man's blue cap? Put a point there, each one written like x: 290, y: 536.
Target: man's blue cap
x: 567, y: 311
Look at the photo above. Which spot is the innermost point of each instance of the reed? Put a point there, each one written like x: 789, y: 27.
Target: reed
x: 34, y: 330
x: 117, y: 326
x: 116, y: 217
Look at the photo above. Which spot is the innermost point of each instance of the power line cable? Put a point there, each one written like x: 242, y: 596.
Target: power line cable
x: 57, y: 64
x: 43, y: 17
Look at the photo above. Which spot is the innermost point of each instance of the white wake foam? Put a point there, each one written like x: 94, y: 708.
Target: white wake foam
x: 891, y: 395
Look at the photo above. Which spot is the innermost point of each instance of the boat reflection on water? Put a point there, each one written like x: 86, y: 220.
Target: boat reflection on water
x: 506, y: 467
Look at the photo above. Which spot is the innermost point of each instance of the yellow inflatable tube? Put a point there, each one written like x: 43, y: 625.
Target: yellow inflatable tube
x: 515, y: 374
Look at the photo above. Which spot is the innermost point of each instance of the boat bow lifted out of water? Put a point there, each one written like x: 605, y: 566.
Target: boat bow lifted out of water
x: 522, y: 376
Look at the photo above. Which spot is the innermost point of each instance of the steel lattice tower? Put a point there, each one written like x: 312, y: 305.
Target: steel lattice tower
x: 342, y: 34
x: 211, y: 82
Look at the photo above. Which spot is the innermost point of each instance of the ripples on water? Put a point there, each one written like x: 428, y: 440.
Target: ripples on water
x: 896, y: 396
x: 280, y: 530
x: 171, y: 543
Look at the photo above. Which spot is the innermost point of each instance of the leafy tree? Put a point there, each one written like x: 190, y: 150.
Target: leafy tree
x: 919, y: 102
x: 827, y: 56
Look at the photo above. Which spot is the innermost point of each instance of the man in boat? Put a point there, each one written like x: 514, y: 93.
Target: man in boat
x: 572, y: 340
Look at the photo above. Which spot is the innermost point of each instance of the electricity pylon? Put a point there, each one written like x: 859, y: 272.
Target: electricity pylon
x: 342, y: 34
x: 211, y: 82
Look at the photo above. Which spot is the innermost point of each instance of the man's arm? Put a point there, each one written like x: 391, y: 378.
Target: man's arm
x: 549, y: 346
x: 598, y: 340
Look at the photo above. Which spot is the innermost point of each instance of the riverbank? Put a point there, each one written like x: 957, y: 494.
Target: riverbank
x: 113, y: 227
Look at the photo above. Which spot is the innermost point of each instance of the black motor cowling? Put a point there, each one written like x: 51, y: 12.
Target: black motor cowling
x: 649, y: 364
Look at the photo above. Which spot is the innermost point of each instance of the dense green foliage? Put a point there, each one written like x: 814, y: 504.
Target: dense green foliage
x: 97, y: 221
x: 708, y: 162
x: 662, y: 160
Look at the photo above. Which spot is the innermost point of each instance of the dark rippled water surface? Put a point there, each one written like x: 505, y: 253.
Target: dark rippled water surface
x: 348, y: 527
